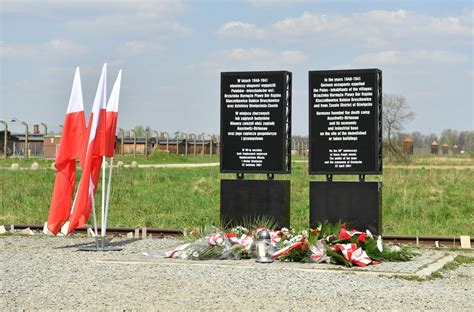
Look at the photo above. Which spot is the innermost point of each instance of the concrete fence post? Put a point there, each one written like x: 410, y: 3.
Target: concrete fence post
x: 5, y: 138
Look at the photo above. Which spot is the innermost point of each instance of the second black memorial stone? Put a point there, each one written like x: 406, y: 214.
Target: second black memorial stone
x: 345, y: 121
x: 254, y: 122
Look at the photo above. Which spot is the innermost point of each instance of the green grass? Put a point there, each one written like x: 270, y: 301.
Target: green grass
x: 459, y: 260
x: 163, y: 157
x: 453, y: 265
x: 26, y: 162
x: 450, y: 266
x: 415, y: 201
x: 443, y: 160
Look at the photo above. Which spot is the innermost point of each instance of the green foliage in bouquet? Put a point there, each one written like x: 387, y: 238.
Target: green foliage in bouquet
x: 241, y: 252
x: 237, y: 252
x: 297, y: 255
x: 211, y: 252
x: 267, y: 222
x: 389, y: 253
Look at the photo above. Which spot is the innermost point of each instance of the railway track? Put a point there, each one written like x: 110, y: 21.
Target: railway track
x: 434, y: 241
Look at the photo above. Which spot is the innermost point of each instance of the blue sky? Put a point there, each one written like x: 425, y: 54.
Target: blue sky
x: 172, y: 53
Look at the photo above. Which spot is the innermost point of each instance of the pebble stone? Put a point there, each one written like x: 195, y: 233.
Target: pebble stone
x: 35, y: 166
x: 65, y: 278
x: 134, y: 164
x: 15, y: 166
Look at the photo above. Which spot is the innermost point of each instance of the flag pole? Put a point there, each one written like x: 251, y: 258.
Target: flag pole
x: 107, y: 200
x: 65, y: 226
x: 102, y: 230
x: 95, y: 224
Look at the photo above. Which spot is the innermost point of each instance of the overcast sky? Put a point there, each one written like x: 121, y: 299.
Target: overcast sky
x: 172, y: 53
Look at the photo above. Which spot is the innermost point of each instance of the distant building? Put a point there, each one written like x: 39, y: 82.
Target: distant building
x: 434, y: 147
x: 48, y: 145
x: 51, y: 145
x: 408, y: 145
x: 445, y: 149
x: 456, y: 150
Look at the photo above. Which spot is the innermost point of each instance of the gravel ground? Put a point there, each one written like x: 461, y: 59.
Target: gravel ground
x: 47, y: 273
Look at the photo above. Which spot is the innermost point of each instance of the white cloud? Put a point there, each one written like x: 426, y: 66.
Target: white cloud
x: 116, y: 25
x: 306, y: 24
x: 342, y: 66
x: 376, y: 28
x: 40, y: 7
x: 236, y: 29
x: 50, y: 49
x: 373, y: 28
x: 461, y: 24
x: 276, y: 3
x: 248, y: 59
x: 138, y: 47
x: 112, y: 18
x: 247, y: 54
x: 293, y: 57
x: 412, y: 57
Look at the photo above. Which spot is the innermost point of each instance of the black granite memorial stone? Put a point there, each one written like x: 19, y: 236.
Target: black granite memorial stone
x: 345, y: 134
x: 244, y: 200
x: 358, y: 203
x: 255, y: 122
x: 255, y: 138
x: 345, y: 121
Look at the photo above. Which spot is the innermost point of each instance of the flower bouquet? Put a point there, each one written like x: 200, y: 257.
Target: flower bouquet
x: 328, y: 243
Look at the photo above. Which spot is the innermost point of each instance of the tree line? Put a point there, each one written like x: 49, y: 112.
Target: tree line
x: 463, y: 139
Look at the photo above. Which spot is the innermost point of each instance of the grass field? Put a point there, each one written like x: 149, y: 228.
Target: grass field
x: 416, y: 200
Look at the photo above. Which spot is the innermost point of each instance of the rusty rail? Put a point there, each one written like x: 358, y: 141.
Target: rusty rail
x: 446, y: 241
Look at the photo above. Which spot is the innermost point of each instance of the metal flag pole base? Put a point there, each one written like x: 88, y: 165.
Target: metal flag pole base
x: 103, y: 247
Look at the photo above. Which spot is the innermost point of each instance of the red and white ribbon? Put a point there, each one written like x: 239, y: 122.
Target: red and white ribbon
x: 294, y: 243
x: 287, y: 249
x: 318, y: 252
x: 360, y: 257
x: 353, y: 253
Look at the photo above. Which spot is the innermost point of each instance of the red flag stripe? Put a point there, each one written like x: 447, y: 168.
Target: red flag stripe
x: 112, y: 116
x: 69, y: 149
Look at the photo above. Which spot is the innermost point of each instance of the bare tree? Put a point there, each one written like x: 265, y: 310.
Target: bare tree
x: 395, y: 114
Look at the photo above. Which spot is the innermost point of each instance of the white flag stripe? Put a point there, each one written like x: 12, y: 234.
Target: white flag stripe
x: 76, y: 103
x: 113, y: 104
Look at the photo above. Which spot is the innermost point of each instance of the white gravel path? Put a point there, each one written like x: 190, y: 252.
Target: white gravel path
x: 47, y: 273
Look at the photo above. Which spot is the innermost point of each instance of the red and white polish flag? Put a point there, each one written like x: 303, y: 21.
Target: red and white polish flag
x: 93, y: 151
x: 74, y: 132
x: 112, y: 116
